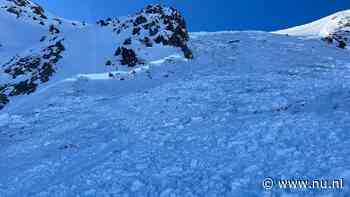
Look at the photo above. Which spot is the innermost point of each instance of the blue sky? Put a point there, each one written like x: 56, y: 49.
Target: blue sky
x: 208, y: 15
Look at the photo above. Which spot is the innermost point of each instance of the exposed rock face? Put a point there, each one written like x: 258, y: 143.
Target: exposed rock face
x: 20, y: 2
x: 3, y: 100
x: 26, y: 72
x: 128, y: 57
x: 340, y: 35
x: 25, y: 8
x: 152, y: 25
x: 29, y: 71
x: 341, y: 38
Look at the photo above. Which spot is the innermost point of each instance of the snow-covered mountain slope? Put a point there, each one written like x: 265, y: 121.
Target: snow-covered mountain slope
x: 333, y: 28
x: 63, y: 49
x: 24, y: 24
x: 247, y: 106
x: 250, y: 105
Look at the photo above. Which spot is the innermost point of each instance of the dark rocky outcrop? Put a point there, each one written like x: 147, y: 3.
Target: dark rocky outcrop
x: 140, y: 20
x: 23, y: 66
x: 32, y: 70
x: 14, y: 10
x: 146, y: 41
x: 25, y: 8
x: 20, y: 2
x: 3, y: 100
x: 340, y: 38
x: 23, y: 87
x: 53, y: 29
x: 341, y: 35
x: 102, y: 23
x: 127, y: 41
x: 38, y: 10
x: 129, y: 57
x: 108, y: 63
x: 154, y: 24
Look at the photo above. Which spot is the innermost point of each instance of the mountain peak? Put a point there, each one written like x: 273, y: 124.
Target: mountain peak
x: 334, y: 29
x: 155, y: 24
x: 322, y: 27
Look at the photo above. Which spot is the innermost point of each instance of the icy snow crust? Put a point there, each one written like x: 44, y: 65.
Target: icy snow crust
x: 250, y: 105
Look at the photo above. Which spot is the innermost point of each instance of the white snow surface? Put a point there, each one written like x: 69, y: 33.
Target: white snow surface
x: 250, y: 105
x: 265, y: 106
x: 320, y: 28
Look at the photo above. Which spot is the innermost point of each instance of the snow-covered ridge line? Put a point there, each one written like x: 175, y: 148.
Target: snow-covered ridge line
x: 320, y: 28
x: 127, y: 43
x: 333, y: 29
x: 28, y: 13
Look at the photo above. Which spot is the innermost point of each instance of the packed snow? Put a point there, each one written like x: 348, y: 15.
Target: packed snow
x: 250, y: 105
x: 264, y: 105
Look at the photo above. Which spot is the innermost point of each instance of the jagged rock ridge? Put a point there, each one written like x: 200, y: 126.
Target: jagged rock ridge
x: 25, y: 8
x: 153, y: 25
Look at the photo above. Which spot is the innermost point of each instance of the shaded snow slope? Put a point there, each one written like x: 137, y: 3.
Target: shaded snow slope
x: 24, y: 24
x: 250, y: 105
x: 12, y: 38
